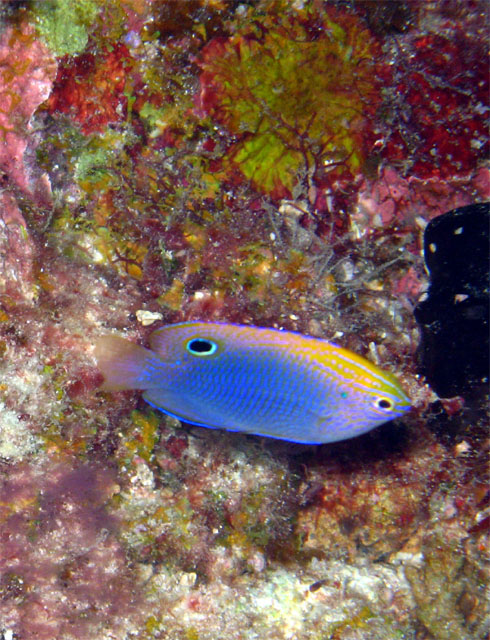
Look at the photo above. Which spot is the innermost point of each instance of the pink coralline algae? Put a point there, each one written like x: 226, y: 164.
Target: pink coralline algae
x: 27, y: 72
x: 398, y: 205
x: 394, y: 199
x: 16, y: 251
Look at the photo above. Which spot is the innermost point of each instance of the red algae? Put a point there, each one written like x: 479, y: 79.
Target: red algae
x: 178, y: 197
x: 92, y: 88
x: 439, y: 103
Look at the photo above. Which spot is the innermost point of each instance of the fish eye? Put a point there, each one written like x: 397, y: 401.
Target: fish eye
x: 383, y: 403
x: 201, y: 347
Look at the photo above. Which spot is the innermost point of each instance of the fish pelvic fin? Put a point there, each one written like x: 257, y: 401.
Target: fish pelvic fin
x: 124, y: 364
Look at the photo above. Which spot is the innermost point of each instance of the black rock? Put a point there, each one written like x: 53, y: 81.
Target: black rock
x: 454, y: 318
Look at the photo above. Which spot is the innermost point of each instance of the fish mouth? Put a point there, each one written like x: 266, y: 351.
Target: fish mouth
x: 404, y: 400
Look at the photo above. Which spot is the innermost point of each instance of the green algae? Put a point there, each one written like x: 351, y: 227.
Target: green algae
x: 64, y: 24
x: 93, y: 162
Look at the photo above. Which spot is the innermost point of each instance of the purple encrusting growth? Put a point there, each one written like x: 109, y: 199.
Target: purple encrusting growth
x: 59, y: 554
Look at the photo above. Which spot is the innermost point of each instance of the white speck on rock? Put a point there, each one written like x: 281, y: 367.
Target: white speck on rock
x: 16, y: 441
x: 148, y: 317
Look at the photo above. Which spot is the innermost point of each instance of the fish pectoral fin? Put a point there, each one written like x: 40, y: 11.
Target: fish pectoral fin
x: 162, y: 401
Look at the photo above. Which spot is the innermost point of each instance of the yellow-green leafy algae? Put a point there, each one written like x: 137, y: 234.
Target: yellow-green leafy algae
x: 65, y: 24
x: 297, y: 88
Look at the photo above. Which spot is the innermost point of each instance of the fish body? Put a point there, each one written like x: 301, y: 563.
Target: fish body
x: 267, y: 382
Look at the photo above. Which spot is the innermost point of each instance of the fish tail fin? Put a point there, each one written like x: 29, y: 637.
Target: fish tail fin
x: 124, y: 365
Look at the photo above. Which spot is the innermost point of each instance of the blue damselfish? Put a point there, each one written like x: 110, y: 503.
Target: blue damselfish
x: 271, y: 383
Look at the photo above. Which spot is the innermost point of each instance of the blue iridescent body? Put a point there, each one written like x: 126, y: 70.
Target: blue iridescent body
x: 272, y: 383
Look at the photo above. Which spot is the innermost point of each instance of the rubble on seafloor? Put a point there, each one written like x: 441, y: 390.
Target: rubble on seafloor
x: 164, y: 161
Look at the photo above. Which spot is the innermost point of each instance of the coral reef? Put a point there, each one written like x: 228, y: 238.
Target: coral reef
x: 268, y: 162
